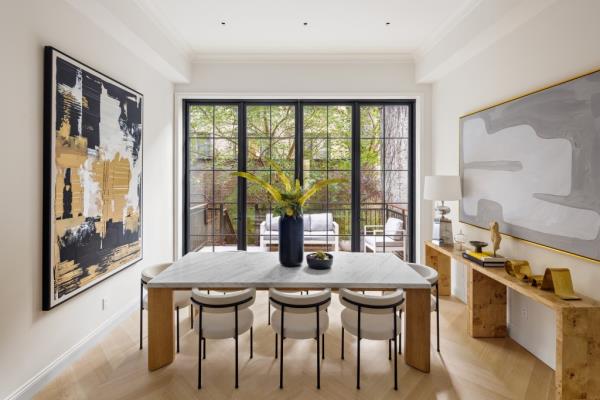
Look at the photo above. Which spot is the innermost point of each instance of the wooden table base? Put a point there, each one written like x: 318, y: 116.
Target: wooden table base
x: 418, y: 328
x: 161, y: 347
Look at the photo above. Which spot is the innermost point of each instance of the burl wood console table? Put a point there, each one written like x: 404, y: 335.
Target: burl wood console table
x: 577, y: 373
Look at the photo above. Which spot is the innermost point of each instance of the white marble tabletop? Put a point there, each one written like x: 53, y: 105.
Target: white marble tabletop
x: 262, y: 270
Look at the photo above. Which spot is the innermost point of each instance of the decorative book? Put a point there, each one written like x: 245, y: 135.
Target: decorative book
x: 485, y: 259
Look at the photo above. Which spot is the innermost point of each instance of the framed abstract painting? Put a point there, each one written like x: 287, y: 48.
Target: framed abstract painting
x: 533, y: 164
x: 92, y: 177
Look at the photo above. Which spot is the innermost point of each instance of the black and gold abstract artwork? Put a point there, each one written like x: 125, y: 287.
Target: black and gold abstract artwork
x: 93, y: 177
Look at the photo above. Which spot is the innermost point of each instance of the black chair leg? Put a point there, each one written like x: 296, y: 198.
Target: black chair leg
x: 177, y: 311
x: 437, y: 315
x: 191, y: 317
x: 236, y: 363
x: 390, y: 349
x: 281, y: 349
x: 318, y: 363
x: 323, y: 346
x: 204, y: 348
x: 342, y: 343
x: 141, y: 314
x: 358, y: 352
x: 269, y: 314
x: 200, y: 360
x: 276, y: 345
x: 400, y: 343
x: 251, y: 342
x: 395, y: 351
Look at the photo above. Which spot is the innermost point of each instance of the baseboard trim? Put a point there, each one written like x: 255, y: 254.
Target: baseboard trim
x: 39, y: 380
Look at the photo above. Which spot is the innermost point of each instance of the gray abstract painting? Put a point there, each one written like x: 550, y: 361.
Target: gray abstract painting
x: 533, y: 165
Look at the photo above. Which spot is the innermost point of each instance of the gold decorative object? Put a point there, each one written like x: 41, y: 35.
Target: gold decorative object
x: 495, y: 236
x: 559, y: 281
x: 520, y: 269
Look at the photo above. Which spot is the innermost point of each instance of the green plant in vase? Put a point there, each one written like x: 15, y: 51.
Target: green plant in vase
x: 289, y: 201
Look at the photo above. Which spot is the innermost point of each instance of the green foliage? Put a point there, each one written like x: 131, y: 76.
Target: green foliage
x: 320, y: 255
x: 290, y: 199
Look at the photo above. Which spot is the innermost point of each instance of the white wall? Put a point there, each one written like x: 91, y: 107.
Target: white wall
x: 31, y: 339
x: 321, y: 79
x: 560, y: 42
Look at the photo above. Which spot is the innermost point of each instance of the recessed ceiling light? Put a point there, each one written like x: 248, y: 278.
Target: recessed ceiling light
x: 388, y: 23
x: 223, y: 23
x: 305, y: 23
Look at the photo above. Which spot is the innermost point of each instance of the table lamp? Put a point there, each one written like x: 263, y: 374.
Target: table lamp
x: 442, y: 188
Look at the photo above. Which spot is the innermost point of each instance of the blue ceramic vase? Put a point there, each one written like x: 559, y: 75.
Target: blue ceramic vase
x: 291, y: 241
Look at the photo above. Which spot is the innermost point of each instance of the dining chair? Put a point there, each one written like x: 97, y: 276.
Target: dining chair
x: 223, y: 316
x: 298, y: 316
x: 181, y: 298
x: 431, y: 275
x: 374, y: 318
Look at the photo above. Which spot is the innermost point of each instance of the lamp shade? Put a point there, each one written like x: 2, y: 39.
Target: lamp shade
x: 442, y: 187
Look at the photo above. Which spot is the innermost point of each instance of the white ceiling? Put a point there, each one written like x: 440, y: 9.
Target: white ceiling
x: 276, y: 26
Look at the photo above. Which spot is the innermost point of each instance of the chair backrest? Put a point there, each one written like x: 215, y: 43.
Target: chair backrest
x: 218, y: 303
x: 393, y: 226
x: 426, y: 272
x: 300, y: 304
x: 371, y: 304
x: 150, y: 272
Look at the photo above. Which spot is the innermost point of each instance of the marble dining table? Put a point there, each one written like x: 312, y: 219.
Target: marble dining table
x: 261, y: 270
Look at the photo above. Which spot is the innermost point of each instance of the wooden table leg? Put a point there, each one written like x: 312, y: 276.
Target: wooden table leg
x: 441, y: 263
x: 418, y: 326
x: 577, y: 353
x: 486, y: 303
x: 161, y: 348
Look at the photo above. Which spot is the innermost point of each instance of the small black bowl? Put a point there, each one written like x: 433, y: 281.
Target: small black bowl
x: 316, y: 263
x: 478, y: 245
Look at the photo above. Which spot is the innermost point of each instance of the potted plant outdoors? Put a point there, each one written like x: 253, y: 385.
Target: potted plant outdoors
x: 289, y: 201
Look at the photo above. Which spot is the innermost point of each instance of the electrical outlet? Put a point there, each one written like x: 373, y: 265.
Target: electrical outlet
x: 104, y: 304
x: 524, y: 313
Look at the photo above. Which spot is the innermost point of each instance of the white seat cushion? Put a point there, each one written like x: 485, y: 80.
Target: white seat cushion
x: 299, y: 326
x: 377, y: 241
x: 372, y: 326
x: 181, y: 298
x: 314, y: 236
x: 222, y: 325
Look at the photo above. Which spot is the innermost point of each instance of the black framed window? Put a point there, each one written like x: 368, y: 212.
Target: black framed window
x: 370, y: 143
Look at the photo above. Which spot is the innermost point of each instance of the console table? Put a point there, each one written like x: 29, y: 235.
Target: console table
x: 577, y: 373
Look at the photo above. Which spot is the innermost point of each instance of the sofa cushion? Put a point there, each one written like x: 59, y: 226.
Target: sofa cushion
x: 319, y: 236
x: 321, y: 222
x: 271, y: 223
x: 393, y: 226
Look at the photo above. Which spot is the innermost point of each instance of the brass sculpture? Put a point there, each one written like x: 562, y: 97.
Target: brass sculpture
x: 495, y: 236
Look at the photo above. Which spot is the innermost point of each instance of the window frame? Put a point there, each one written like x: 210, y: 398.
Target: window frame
x: 355, y: 171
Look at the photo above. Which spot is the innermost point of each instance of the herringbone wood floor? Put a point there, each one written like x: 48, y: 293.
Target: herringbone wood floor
x: 467, y: 368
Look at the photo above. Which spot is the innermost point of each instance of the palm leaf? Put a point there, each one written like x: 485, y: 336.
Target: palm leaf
x: 282, y: 177
x: 316, y: 187
x: 275, y: 193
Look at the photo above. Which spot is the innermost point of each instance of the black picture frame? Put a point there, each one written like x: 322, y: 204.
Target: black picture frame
x: 49, y: 139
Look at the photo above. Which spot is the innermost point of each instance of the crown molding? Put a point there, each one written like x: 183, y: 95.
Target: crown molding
x: 309, y: 58
x: 446, y: 28
x: 170, y: 31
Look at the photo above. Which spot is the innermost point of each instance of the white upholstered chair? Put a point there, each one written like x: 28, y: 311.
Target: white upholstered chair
x: 431, y: 276
x: 299, y: 316
x: 385, y: 238
x: 223, y: 316
x: 374, y: 318
x: 181, y: 298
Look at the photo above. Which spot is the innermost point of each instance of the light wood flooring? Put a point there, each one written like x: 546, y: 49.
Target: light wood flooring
x: 466, y: 368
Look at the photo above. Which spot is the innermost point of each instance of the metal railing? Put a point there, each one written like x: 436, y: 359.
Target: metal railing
x: 211, y: 223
